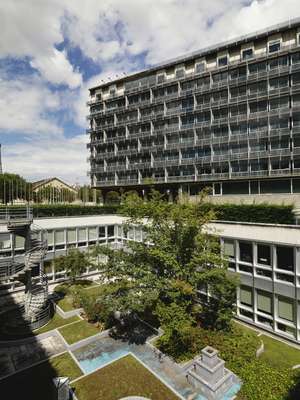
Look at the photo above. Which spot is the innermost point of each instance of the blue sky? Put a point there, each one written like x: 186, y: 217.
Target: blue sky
x: 52, y: 51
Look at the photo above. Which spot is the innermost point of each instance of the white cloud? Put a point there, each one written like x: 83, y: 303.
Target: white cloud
x: 31, y: 28
x: 42, y: 158
x: 25, y: 107
x: 57, y: 69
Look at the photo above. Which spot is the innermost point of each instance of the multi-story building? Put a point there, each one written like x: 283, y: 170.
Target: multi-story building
x: 227, y: 116
x: 266, y: 257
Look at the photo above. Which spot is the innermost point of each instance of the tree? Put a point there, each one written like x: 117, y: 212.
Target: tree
x: 75, y: 263
x: 178, y: 257
x: 14, y: 187
x: 113, y: 197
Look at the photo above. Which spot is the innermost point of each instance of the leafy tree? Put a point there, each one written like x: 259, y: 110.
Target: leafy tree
x: 14, y: 187
x: 75, y: 263
x: 113, y: 197
x: 166, y: 271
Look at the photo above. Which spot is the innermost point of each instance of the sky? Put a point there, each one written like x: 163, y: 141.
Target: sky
x: 52, y: 51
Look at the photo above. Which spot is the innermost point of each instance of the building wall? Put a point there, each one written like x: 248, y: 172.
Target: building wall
x: 223, y: 115
x: 266, y: 258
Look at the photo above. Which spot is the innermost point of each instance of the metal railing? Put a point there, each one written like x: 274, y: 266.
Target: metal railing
x: 13, y: 214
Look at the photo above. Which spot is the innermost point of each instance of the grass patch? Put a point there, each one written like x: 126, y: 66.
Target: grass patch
x: 279, y: 354
x: 81, y: 330
x: 66, y: 303
x: 125, y: 377
x: 36, y: 383
x: 56, y: 322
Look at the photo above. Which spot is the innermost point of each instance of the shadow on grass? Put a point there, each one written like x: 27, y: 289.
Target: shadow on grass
x: 132, y: 331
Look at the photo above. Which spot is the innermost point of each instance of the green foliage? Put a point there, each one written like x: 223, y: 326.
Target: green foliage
x: 113, y: 197
x: 14, y: 187
x: 263, y: 382
x: 75, y: 263
x: 178, y: 338
x: 181, y: 258
x: 263, y: 213
x: 56, y: 210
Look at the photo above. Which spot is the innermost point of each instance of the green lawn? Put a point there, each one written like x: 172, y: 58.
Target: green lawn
x: 66, y: 303
x: 125, y: 377
x: 279, y: 354
x: 36, y: 383
x: 56, y: 322
x: 78, y: 331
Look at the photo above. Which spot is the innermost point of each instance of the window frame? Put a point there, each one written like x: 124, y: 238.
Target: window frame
x: 247, y: 49
x: 272, y: 43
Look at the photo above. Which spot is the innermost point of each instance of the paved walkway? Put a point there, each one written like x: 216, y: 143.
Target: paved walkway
x: 26, y: 352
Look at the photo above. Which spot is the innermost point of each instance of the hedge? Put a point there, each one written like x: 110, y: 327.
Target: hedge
x: 62, y: 210
x: 261, y: 213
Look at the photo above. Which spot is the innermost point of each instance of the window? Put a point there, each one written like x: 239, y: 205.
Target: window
x: 229, y: 248
x: 110, y: 231
x: 19, y: 242
x: 59, y: 236
x: 247, y: 53
x: 50, y: 237
x: 71, y: 235
x: 264, y: 254
x: 264, y: 302
x: 160, y: 78
x: 200, y: 67
x: 81, y: 234
x: 92, y: 233
x: 285, y: 258
x: 274, y: 46
x: 285, y: 308
x: 246, y: 252
x: 5, y: 241
x: 246, y: 296
x: 286, y: 329
x: 180, y: 72
x: 102, y: 233
x: 222, y: 61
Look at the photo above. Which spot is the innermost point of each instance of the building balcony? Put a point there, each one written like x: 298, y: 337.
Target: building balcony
x: 128, y: 181
x: 280, y: 172
x: 106, y: 183
x: 181, y: 178
x: 280, y: 152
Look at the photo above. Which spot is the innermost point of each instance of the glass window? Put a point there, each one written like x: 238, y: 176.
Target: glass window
x: 286, y: 308
x: 102, y: 232
x: 71, y: 235
x: 264, y: 302
x: 222, y: 61
x: 274, y: 46
x: 200, y: 67
x: 19, y: 242
x: 50, y: 237
x: 246, y: 296
x: 111, y: 230
x: 92, y: 233
x: 246, y: 251
x: 59, y: 236
x: 229, y: 248
x: 285, y: 258
x: 264, y: 254
x: 247, y: 53
x: 81, y: 234
x: 5, y: 241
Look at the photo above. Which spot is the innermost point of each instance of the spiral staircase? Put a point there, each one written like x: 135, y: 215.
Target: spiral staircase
x: 36, y: 310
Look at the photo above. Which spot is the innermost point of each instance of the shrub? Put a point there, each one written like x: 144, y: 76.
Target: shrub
x: 57, y: 210
x: 260, y: 213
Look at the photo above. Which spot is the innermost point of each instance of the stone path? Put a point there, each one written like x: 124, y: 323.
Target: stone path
x: 17, y: 356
